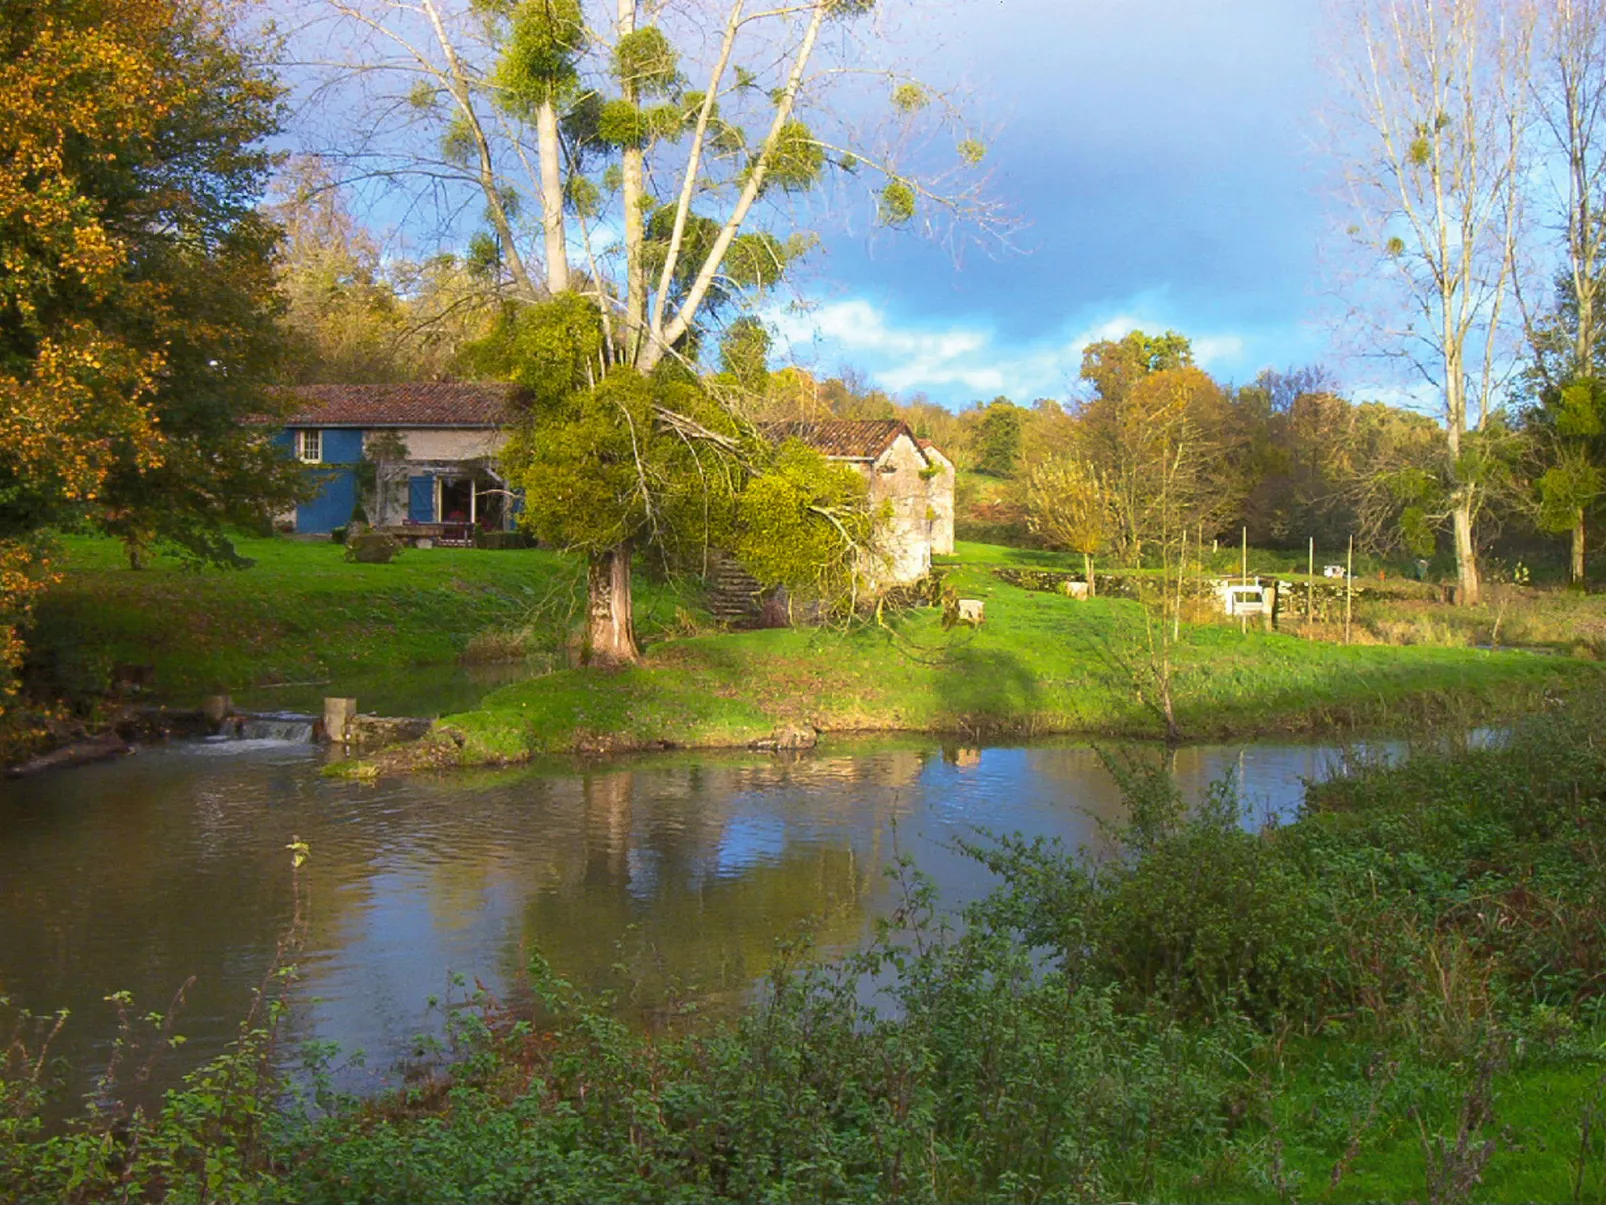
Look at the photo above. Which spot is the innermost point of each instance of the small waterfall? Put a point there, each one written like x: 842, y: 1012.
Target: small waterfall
x: 286, y: 726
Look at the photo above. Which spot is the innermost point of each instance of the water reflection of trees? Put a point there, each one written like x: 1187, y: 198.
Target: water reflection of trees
x: 688, y: 876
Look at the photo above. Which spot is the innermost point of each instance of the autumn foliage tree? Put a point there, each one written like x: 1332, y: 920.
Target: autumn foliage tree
x: 75, y: 89
x: 1158, y: 434
x: 1068, y: 506
x: 136, y: 303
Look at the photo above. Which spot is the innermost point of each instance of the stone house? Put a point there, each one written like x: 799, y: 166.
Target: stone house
x: 427, y: 455
x: 907, y: 476
x: 431, y: 450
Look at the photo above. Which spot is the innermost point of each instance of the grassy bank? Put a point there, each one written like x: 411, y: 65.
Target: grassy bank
x: 1040, y: 663
x: 301, y: 612
x: 1397, y: 997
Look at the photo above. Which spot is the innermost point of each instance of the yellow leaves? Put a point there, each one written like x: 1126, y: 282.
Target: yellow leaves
x: 25, y: 572
x: 92, y: 88
x: 73, y: 95
x: 64, y: 424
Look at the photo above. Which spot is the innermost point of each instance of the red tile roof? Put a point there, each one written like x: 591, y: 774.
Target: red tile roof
x: 436, y: 404
x: 845, y: 438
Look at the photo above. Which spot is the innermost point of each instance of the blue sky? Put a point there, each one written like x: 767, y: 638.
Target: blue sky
x: 1163, y: 155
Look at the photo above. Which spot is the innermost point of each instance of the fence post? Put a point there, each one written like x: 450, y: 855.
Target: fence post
x: 1310, y: 585
x: 1349, y: 586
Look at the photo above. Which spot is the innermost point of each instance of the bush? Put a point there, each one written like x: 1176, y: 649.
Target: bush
x: 372, y: 548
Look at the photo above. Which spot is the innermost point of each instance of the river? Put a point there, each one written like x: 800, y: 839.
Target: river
x: 661, y: 877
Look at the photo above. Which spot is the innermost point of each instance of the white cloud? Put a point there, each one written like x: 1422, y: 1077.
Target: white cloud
x: 956, y: 362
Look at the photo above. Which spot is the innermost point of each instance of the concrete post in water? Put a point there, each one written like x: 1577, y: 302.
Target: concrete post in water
x: 215, y: 709
x: 337, y: 716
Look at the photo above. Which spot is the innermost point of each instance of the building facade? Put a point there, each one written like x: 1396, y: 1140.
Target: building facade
x: 911, y: 487
x: 409, y: 454
x: 427, y: 454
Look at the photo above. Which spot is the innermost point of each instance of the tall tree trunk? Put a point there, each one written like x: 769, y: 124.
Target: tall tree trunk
x: 1466, y: 556
x: 633, y: 188
x: 610, y: 630
x: 550, y: 152
x: 1577, y: 571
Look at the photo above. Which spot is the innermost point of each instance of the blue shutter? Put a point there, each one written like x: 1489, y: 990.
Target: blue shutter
x: 333, y: 506
x: 421, y: 499
x: 342, y: 445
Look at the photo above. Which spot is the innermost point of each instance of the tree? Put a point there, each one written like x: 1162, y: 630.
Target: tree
x: 1068, y: 506
x: 998, y: 439
x: 744, y: 354
x: 342, y: 311
x: 1433, y: 150
x: 1160, y: 445
x: 804, y: 525
x: 135, y: 308
x: 185, y: 202
x: 1113, y: 366
x: 73, y: 390
x: 669, y: 199
x: 1570, y: 101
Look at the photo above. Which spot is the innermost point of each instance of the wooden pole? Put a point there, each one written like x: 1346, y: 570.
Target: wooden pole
x: 1349, y: 586
x: 1176, y: 616
x: 1310, y: 585
x: 1244, y: 564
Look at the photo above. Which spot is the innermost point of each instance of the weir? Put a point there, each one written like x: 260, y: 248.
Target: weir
x: 288, y: 726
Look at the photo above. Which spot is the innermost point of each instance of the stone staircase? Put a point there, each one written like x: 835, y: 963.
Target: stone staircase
x: 734, y: 596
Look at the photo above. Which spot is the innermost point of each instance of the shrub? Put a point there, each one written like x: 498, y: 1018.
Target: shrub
x: 372, y: 548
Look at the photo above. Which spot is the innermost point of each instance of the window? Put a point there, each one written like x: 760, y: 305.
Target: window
x: 309, y: 446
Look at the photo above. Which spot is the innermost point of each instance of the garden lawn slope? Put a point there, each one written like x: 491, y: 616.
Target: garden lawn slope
x: 300, y: 612
x: 1041, y: 663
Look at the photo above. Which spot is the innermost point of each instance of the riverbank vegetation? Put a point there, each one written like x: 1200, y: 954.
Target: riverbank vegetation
x: 1040, y: 663
x: 1395, y: 997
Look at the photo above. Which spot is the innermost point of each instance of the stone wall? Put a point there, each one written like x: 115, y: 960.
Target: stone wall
x: 437, y: 444
x: 899, y: 500
x: 940, y: 502
x: 436, y: 452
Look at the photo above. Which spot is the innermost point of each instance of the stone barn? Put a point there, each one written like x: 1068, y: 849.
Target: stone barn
x: 909, y: 473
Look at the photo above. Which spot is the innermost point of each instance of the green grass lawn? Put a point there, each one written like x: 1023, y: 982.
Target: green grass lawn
x: 1041, y: 663
x: 1355, y: 1122
x: 301, y: 612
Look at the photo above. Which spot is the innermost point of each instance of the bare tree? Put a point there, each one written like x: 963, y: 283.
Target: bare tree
x: 1569, y: 90
x: 1432, y: 128
x: 660, y: 200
